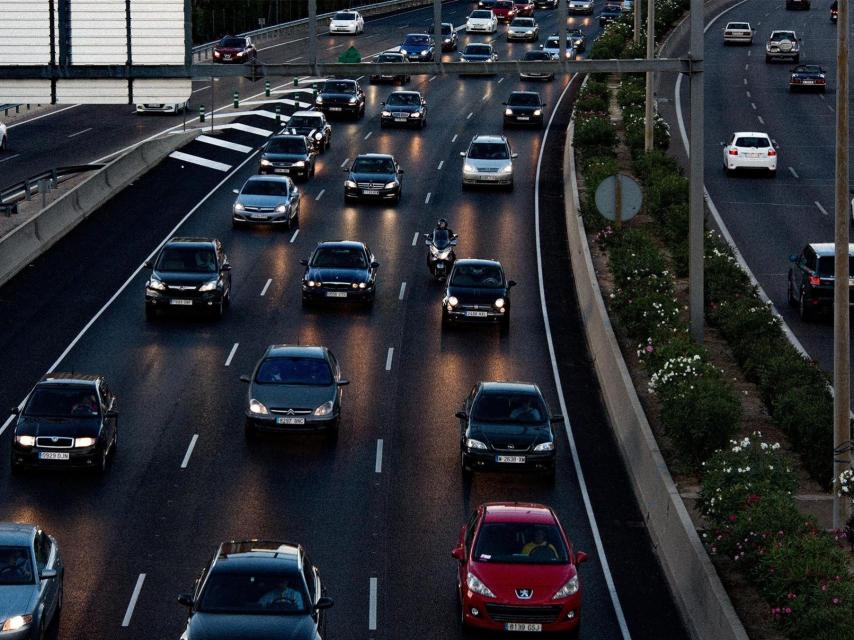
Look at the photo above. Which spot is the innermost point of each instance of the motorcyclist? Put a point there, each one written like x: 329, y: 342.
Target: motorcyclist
x: 442, y: 225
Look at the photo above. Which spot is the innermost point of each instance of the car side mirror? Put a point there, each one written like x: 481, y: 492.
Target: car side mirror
x: 47, y: 574
x: 461, y: 415
x: 375, y: 264
x: 459, y: 554
x: 453, y: 243
x: 186, y: 599
x: 512, y: 283
x: 14, y: 411
x: 237, y: 191
x: 514, y: 155
x: 557, y: 418
x: 462, y: 154
x: 793, y: 258
x: 427, y: 242
x: 148, y: 264
x: 580, y: 557
x: 304, y: 262
x: 226, y: 266
x: 382, y: 103
x: 343, y: 383
x: 504, y: 103
x: 245, y: 378
x: 323, y: 603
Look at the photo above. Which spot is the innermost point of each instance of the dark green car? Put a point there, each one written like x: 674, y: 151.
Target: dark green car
x: 810, y: 284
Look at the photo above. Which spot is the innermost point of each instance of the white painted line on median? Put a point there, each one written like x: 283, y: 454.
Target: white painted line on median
x: 402, y: 291
x: 378, y: 465
x: 225, y: 144
x: 80, y: 132
x: 296, y: 233
x: 427, y: 199
x: 793, y: 172
x: 319, y: 196
x: 231, y: 354
x: 415, y: 239
x: 218, y: 127
x: 761, y: 121
x: 441, y: 164
x: 133, y: 598
x: 368, y: 134
x: 372, y: 605
x: 389, y: 358
x: 344, y: 164
x: 454, y: 139
x: 202, y: 162
x: 266, y: 286
x: 293, y: 59
x: 44, y: 115
x: 17, y: 155
x: 187, y: 455
x: 471, y: 113
x: 820, y: 208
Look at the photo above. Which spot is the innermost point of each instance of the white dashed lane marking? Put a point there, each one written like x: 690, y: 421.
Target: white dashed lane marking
x: 319, y: 196
x: 368, y: 134
x: 80, y: 132
x: 190, y: 448
x: 793, y: 172
x: 266, y: 286
x: 134, y: 597
x: 202, y: 162
x: 454, y: 139
x: 372, y: 605
x: 344, y: 164
x: 820, y: 208
x: 441, y: 164
x: 415, y: 239
x: 427, y: 199
x: 402, y: 291
x: 378, y: 465
x: 389, y: 358
x: 231, y: 354
x: 296, y: 233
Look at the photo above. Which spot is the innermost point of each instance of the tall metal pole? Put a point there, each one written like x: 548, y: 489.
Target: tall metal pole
x: 696, y: 211
x: 841, y: 335
x: 437, y: 30
x: 561, y: 26
x: 638, y: 12
x: 648, y: 128
x: 312, y: 34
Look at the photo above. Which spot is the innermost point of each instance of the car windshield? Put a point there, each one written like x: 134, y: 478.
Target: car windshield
x: 403, y: 99
x: 478, y: 50
x: 808, y: 68
x: 520, y: 543
x: 477, y: 275
x: 306, y: 121
x: 753, y: 142
x: 340, y: 258
x: 576, y: 33
x: 187, y: 259
x: 826, y: 268
x: 266, y: 187
x: 504, y: 4
x: 253, y: 593
x: 552, y: 43
x: 286, y: 145
x: 522, y: 22
x: 524, y: 100
x: 536, y: 55
x: 16, y: 566
x: 54, y: 401
x: 295, y: 370
x: 417, y: 39
x: 516, y: 408
x: 489, y: 151
x: 232, y: 43
x: 339, y: 87
x: 777, y: 36
x: 447, y: 28
x: 481, y: 15
x: 390, y: 57
x: 612, y: 9
x: 373, y: 165
x: 344, y: 15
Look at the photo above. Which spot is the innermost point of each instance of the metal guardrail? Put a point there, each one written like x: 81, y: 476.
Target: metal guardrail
x: 25, y: 189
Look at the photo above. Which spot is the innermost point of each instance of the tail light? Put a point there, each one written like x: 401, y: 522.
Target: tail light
x: 815, y: 281
x: 733, y: 152
x: 772, y: 153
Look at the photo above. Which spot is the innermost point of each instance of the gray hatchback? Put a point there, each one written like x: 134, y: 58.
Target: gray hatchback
x: 30, y: 581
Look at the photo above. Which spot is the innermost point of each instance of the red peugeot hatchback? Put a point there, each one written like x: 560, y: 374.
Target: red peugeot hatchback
x: 518, y: 570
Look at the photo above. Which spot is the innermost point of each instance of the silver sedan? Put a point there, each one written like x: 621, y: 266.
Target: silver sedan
x: 273, y: 200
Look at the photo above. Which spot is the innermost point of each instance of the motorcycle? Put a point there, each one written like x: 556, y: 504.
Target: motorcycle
x: 834, y: 15
x: 440, y: 253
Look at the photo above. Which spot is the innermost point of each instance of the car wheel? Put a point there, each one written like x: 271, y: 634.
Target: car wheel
x: 464, y: 468
x: 150, y: 312
x: 17, y: 469
x: 505, y: 324
x: 295, y: 221
x: 446, y: 321
x: 804, y: 311
x: 790, y: 291
x: 217, y: 310
x: 383, y: 124
x: 332, y: 431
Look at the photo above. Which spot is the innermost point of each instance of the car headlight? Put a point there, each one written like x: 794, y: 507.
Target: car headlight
x: 424, y: 52
x: 508, y: 112
x: 474, y: 584
x: 363, y: 285
x: 545, y: 446
x: 467, y: 168
x: 156, y: 285
x: 447, y: 41
x: 318, y: 100
x: 217, y: 54
x: 82, y: 443
x: 529, y: 32
x: 299, y: 163
x: 474, y: 444
x: 507, y: 168
x: 404, y: 52
x: 390, y: 185
x: 318, y: 136
x: 312, y: 283
x: 325, y: 409
x: 238, y: 206
x: 538, y: 112
x: 386, y: 114
x: 570, y: 588
x: 350, y: 184
x: 265, y: 162
x: 353, y: 100
x: 257, y: 408
x: 579, y: 42
x: 415, y: 114
x: 453, y: 301
x: 14, y: 623
x: 499, y: 303
x: 26, y: 441
x: 210, y: 285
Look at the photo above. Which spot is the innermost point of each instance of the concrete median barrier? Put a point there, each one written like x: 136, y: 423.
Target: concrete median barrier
x: 28, y: 241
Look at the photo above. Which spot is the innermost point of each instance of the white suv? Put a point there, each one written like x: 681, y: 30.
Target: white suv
x: 482, y: 20
x: 488, y: 161
x: 750, y: 150
x: 783, y: 44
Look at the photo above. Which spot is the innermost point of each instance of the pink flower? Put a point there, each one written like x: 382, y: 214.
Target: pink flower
x: 791, y: 596
x: 787, y: 610
x: 836, y: 601
x: 733, y: 517
x: 649, y: 348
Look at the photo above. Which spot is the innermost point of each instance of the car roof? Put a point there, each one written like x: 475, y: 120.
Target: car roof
x: 527, y: 512
x: 755, y: 134
x: 352, y: 244
x: 377, y: 155
x: 296, y: 350
x: 258, y: 555
x: 287, y: 135
x: 62, y: 377
x: 314, y: 114
x: 188, y: 241
x: 501, y: 386
x: 14, y: 533
x: 828, y: 248
x: 419, y: 34
x: 414, y: 93
x: 269, y: 178
x: 489, y: 138
x: 525, y: 93
x: 478, y: 262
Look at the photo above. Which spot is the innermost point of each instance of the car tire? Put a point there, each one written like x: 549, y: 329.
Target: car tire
x: 773, y: 173
x: 446, y: 321
x: 466, y: 472
x: 332, y: 432
x: 804, y: 311
x: 249, y: 432
x: 150, y: 313
x: 383, y: 124
x: 505, y: 324
x: 790, y: 294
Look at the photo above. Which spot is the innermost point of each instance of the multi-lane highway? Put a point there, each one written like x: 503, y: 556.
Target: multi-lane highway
x: 380, y: 510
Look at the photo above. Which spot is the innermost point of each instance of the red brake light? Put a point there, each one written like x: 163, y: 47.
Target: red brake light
x: 771, y: 153
x: 733, y: 152
x: 815, y: 281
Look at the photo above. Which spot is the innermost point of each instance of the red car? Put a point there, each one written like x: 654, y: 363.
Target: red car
x: 505, y: 10
x: 236, y: 49
x: 524, y: 8
x: 518, y: 570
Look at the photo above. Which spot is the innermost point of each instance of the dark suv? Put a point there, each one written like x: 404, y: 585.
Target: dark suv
x: 257, y: 589
x: 798, y: 4
x: 373, y: 176
x: 811, y: 278
x: 68, y: 420
x: 340, y: 97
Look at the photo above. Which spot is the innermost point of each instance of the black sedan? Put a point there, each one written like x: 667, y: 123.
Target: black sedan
x: 291, y: 155
x: 808, y: 76
x: 507, y: 426
x: 391, y: 57
x: 477, y: 291
x: 374, y: 176
x: 449, y: 36
x: 257, y: 589
x: 405, y: 108
x: 340, y: 97
x: 188, y: 273
x: 294, y: 388
x: 68, y: 420
x: 524, y: 108
x: 340, y: 271
x: 313, y: 125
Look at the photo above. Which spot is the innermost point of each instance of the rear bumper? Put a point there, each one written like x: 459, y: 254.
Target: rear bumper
x: 734, y: 163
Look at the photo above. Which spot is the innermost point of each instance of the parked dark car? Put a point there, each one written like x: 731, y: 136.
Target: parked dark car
x: 507, y: 426
x: 69, y: 420
x: 257, y: 589
x: 340, y: 97
x: 448, y: 36
x: 477, y: 291
x: 373, y: 176
x: 811, y: 278
x: 404, y: 108
x: 31, y: 582
x: 808, y: 76
x: 291, y: 155
x: 342, y: 270
x: 294, y: 388
x: 314, y: 126
x: 267, y: 200
x: 418, y: 47
x: 524, y: 108
x: 391, y: 57
x: 188, y: 273
x: 235, y: 49
x: 610, y: 12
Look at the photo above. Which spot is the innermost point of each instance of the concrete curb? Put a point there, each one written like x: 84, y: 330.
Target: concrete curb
x: 25, y: 243
x: 702, y: 600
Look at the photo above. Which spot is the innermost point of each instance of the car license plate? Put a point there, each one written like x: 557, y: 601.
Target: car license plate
x: 282, y: 170
x: 522, y: 626
x: 808, y: 81
x: 400, y: 119
x: 54, y: 455
x: 335, y: 108
x: 258, y: 216
x: 523, y: 118
x: 752, y: 155
x: 336, y: 294
x: 288, y: 420
x: 511, y: 459
x: 371, y: 192
x: 476, y: 314
x: 489, y: 178
x: 183, y: 303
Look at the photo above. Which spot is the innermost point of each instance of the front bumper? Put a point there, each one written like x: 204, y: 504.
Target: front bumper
x: 488, y: 178
x: 403, y: 120
x: 183, y: 300
x: 521, y: 35
x: 290, y: 170
x: 523, y: 119
x: 474, y: 28
x: 234, y: 60
x: 360, y: 193
x: 339, y: 108
x: 461, y: 313
x: 272, y: 423
x: 579, y: 10
x: 494, y: 615
x: 807, y: 85
x: 343, y: 29
x: 78, y: 458
x: 484, y: 460
x: 316, y: 294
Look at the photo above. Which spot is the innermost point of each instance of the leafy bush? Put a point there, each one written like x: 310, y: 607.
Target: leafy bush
x: 592, y: 103
x: 806, y: 416
x: 595, y: 135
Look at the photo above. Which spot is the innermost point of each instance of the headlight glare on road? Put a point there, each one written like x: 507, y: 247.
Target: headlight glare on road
x: 325, y: 409
x: 474, y: 444
x: 210, y: 285
x: 13, y: 623
x: 570, y: 588
x: 545, y: 446
x: 82, y: 443
x: 26, y: 441
x: 474, y: 584
x: 257, y: 408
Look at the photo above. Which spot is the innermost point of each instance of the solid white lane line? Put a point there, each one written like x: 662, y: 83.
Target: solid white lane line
x: 415, y: 239
x: 80, y: 132
x: 344, y: 164
x: 231, y: 354
x: 793, y: 172
x: 17, y: 155
x: 402, y: 291
x: 134, y: 597
x: 372, y: 605
x: 378, y: 465
x: 266, y: 286
x: 427, y: 199
x: 389, y: 358
x: 368, y: 135
x: 582, y: 483
x: 44, y: 115
x: 292, y: 59
x: 820, y: 208
x: 207, y: 86
x: 187, y: 455
x: 225, y: 144
x: 203, y: 162
x: 296, y: 233
x: 320, y: 195
x: 471, y: 113
x: 761, y: 121
x: 441, y: 164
